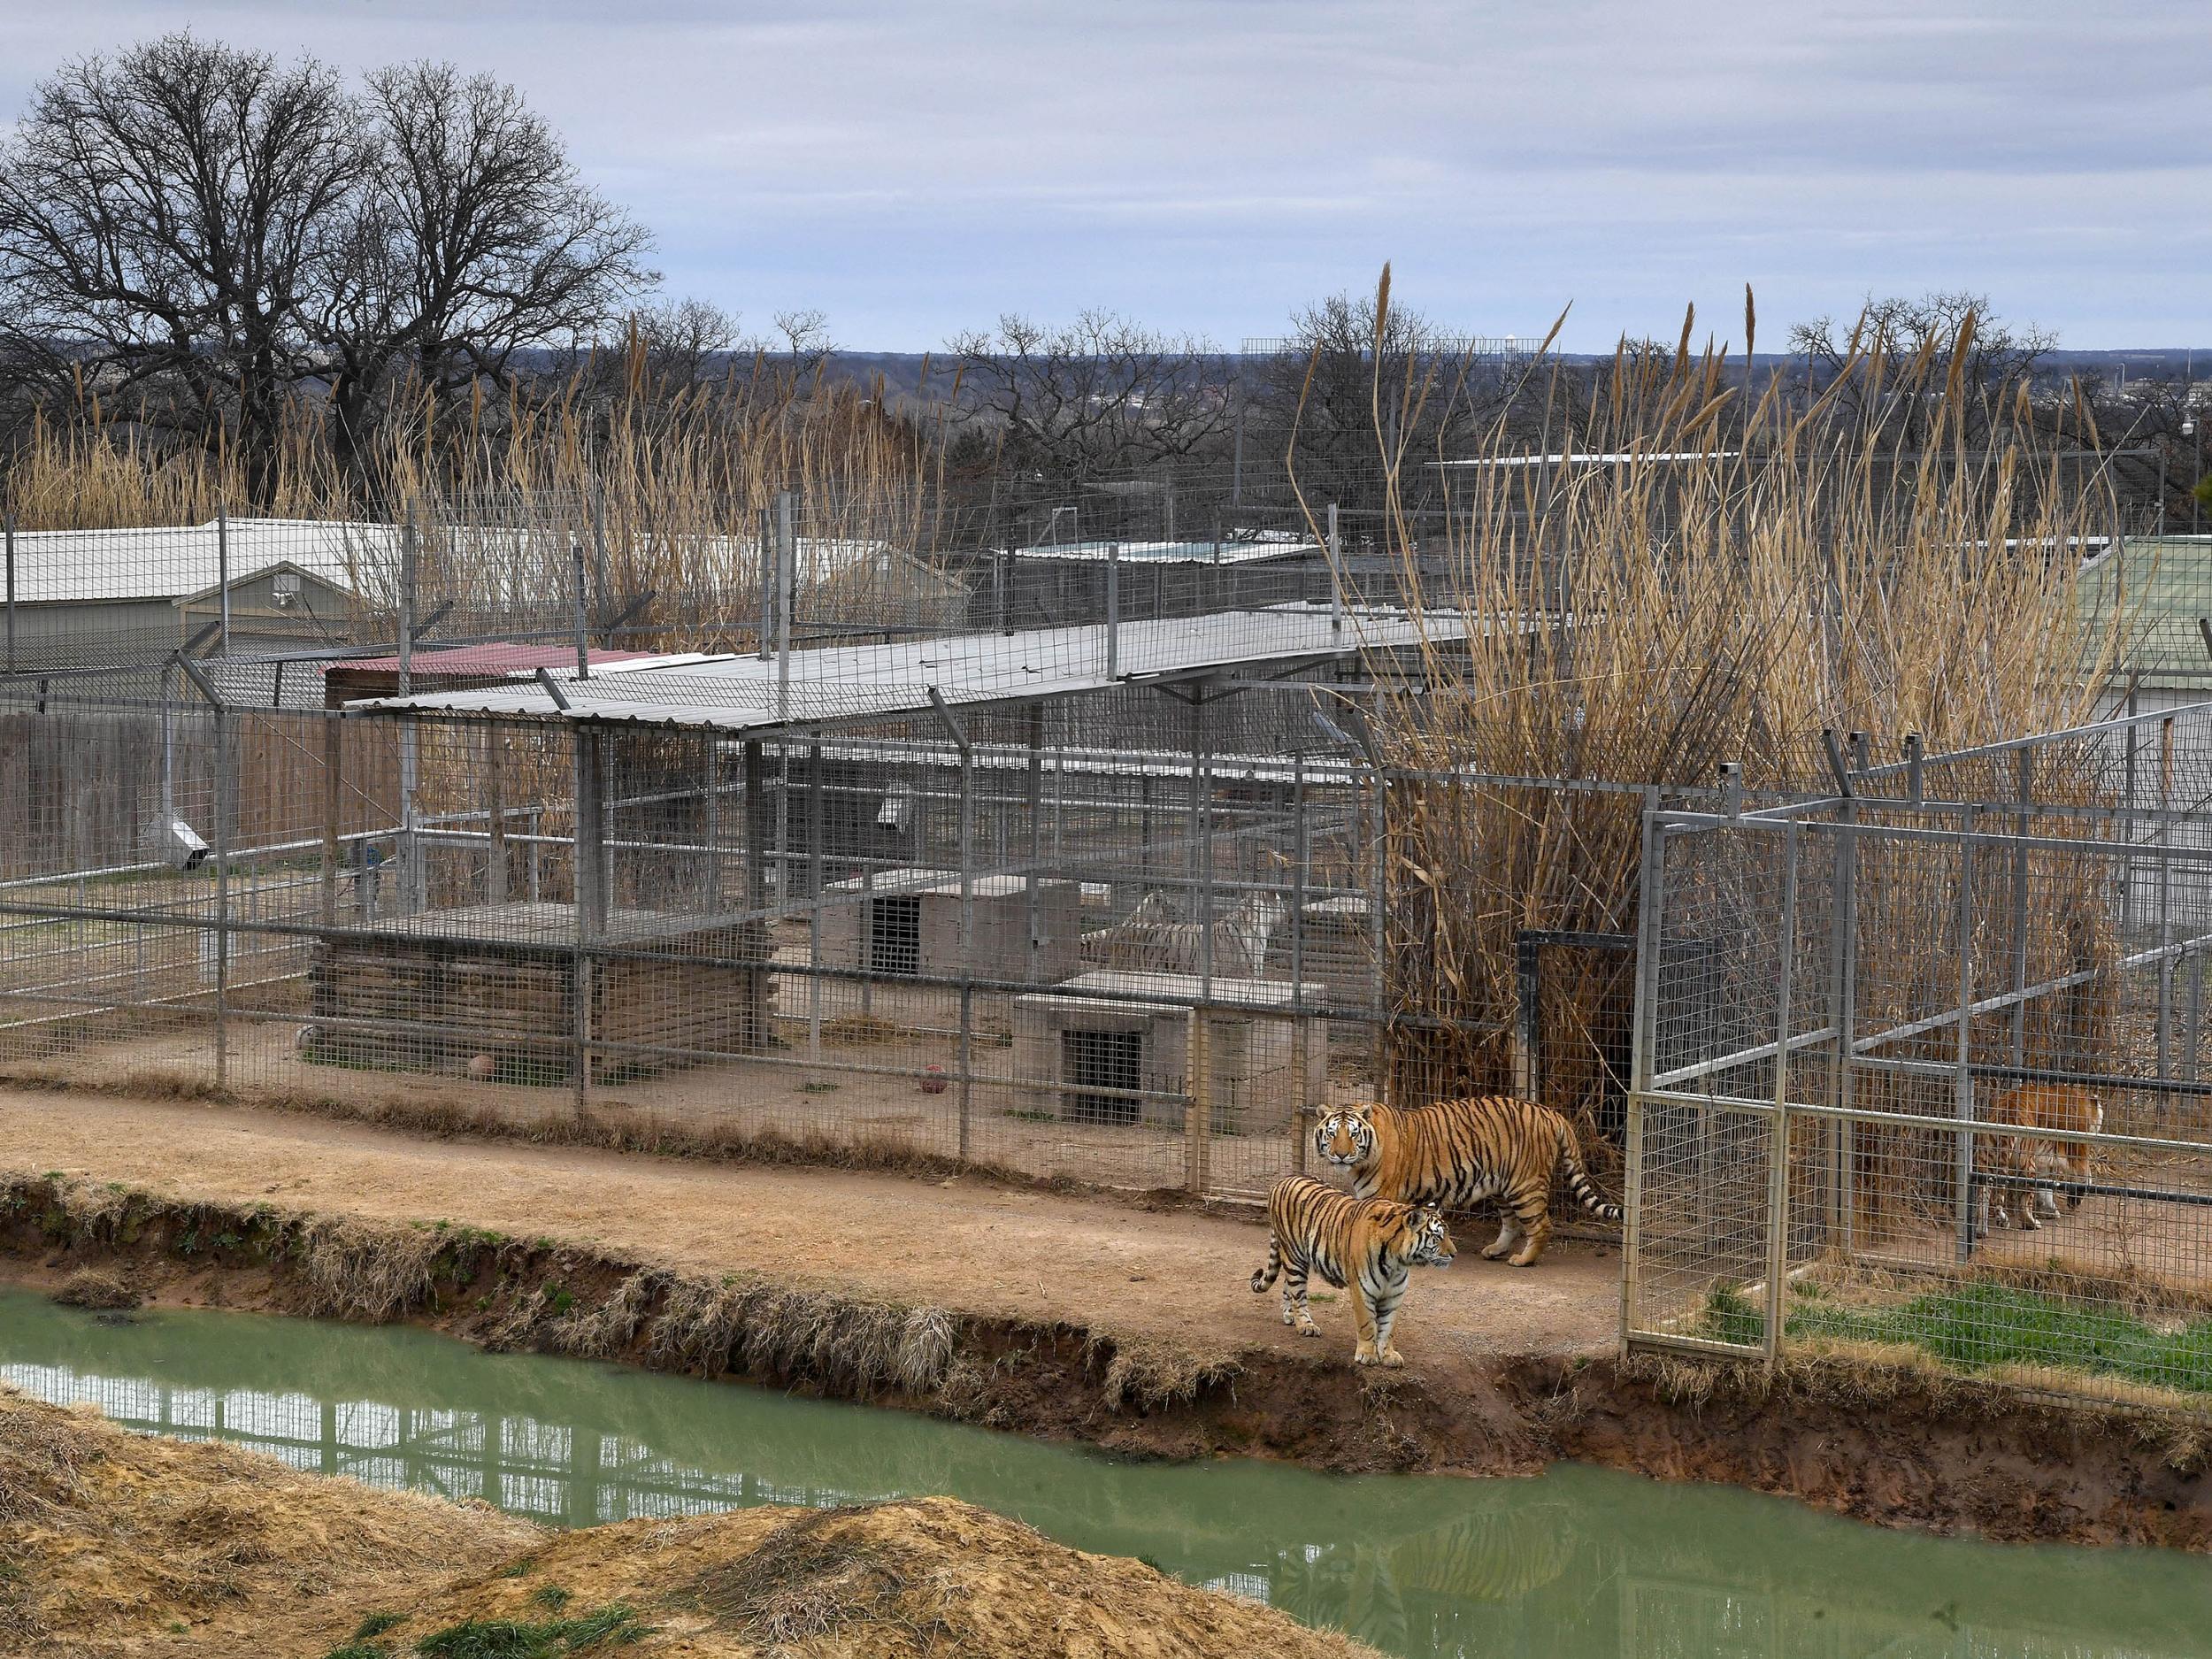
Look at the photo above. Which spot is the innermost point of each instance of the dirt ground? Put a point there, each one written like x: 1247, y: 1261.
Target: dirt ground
x: 966, y: 1244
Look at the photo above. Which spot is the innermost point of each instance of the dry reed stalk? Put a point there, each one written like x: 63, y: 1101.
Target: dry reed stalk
x: 1741, y: 580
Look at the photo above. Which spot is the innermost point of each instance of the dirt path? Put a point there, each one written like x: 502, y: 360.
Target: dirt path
x: 965, y: 1244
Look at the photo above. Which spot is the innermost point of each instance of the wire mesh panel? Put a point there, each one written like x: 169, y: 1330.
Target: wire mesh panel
x: 1987, y: 1073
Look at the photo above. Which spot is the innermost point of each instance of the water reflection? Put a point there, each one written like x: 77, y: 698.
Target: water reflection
x: 1579, y: 1563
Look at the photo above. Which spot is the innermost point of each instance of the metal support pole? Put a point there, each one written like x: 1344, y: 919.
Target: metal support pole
x: 786, y: 561
x: 226, y: 806
x: 817, y: 879
x: 577, y: 607
x: 1650, y: 909
x: 604, y: 607
x: 333, y: 799
x: 2021, y: 824
x: 1301, y: 854
x: 1113, y: 610
x: 1778, y: 1147
x: 591, y: 899
x: 1034, y: 891
x: 7, y: 529
x: 766, y: 521
x: 1336, y: 574
x: 409, y: 848
x: 1198, y: 1113
x: 1236, y: 452
x: 1843, y: 1002
x: 1963, y: 1090
x: 495, y: 804
x: 222, y: 571
x: 2165, y: 833
x: 1528, y: 1023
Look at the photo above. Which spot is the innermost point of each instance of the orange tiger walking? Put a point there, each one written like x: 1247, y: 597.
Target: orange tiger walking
x: 2045, y: 1113
x: 1457, y: 1153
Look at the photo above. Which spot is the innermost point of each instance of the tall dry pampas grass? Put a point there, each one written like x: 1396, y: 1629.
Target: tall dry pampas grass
x: 1737, y: 581
x: 662, y: 484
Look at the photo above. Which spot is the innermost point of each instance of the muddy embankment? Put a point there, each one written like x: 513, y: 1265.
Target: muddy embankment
x: 1895, y: 1442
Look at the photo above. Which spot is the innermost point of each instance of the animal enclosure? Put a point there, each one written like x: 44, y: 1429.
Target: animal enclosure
x: 1924, y: 1064
x: 1101, y: 900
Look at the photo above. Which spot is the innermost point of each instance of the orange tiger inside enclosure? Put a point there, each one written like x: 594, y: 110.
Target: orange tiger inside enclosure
x: 1457, y: 1153
x: 2045, y: 1112
x: 1363, y: 1245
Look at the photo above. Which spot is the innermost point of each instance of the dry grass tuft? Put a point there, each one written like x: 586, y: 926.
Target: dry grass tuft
x: 352, y: 1271
x: 765, y: 1330
x: 1150, y: 1376
x: 808, y: 1579
x: 97, y: 1288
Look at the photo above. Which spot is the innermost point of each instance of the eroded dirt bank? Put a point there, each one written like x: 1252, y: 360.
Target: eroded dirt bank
x: 119, y: 1544
x: 1899, y: 1444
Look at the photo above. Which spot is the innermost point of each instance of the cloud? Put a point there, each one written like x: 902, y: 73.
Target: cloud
x: 1213, y: 164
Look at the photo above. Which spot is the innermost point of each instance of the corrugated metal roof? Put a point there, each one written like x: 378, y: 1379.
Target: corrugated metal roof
x: 172, y: 561
x: 740, y: 692
x: 2159, y: 585
x: 498, y: 657
x: 1245, y: 550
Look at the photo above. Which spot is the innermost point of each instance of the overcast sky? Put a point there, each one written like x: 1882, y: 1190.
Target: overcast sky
x: 1209, y: 165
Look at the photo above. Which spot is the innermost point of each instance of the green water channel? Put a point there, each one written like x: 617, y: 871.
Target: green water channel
x: 1578, y: 1564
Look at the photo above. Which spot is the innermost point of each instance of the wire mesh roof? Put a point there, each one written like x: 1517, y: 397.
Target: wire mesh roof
x: 840, y: 683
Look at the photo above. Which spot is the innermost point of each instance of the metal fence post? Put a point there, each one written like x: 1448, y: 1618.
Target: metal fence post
x: 225, y: 804
x: 1113, y: 610
x: 1528, y: 1016
x: 1843, y: 969
x: 1198, y: 1113
x: 1336, y: 574
x: 1301, y: 852
x: 786, y: 563
x: 1963, y: 1097
x: 1778, y: 1147
x: 410, y: 877
x: 577, y: 608
x: 222, y: 571
x: 589, y: 877
x: 1650, y: 904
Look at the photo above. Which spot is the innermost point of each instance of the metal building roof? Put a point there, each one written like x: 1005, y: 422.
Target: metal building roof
x: 173, y: 561
x: 843, y: 683
x: 1231, y: 550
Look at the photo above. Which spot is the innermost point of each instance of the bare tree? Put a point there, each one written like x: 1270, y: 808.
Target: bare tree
x: 473, y: 237
x: 165, y: 216
x: 1340, y: 393
x: 1861, y: 360
x: 1098, y: 396
x: 199, y: 225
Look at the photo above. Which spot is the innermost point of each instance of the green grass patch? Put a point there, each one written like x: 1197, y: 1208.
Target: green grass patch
x: 1980, y: 1326
x: 1730, y: 1316
x: 613, y: 1626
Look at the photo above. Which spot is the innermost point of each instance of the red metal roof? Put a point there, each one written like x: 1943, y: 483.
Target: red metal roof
x: 499, y: 657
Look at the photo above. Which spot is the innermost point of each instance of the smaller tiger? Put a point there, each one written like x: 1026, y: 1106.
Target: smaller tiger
x: 2023, y: 1162
x: 1363, y: 1245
